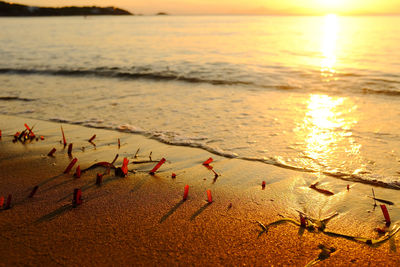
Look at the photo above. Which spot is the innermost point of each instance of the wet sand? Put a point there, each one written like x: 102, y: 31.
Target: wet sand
x: 142, y: 220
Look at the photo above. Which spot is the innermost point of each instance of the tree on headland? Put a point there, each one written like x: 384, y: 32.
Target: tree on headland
x: 11, y: 9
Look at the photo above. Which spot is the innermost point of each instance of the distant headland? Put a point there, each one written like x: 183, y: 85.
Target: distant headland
x: 17, y: 10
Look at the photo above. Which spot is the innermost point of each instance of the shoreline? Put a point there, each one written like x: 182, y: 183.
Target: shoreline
x: 142, y: 219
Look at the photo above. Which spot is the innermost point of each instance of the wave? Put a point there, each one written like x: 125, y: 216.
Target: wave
x: 173, y: 138
x: 387, y: 92
x: 142, y: 73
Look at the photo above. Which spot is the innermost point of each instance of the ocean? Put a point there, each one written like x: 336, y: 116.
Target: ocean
x: 312, y: 94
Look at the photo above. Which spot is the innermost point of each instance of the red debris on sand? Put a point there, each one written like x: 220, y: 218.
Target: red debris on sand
x: 229, y: 206
x: 348, y: 187
x: 77, y: 173
x: 92, y: 138
x: 99, y: 179
x: 51, y: 153
x: 263, y: 185
x: 209, y: 197
x: 1, y: 202
x: 27, y: 127
x: 385, y: 214
x: 63, y: 135
x: 124, y: 166
x: 380, y: 230
x: 208, y: 161
x: 161, y: 162
x: 34, y: 191
x: 70, y: 149
x: 41, y: 137
x: 119, y: 143
x: 186, y: 192
x: 302, y: 221
x: 209, y: 167
x: 77, y: 199
x: 8, y: 203
x: 16, y: 134
x: 0, y: 133
x: 70, y: 165
x: 173, y: 175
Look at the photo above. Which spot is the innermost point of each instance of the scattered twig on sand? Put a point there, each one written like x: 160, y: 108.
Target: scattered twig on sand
x: 136, y: 154
x: 115, y: 159
x: 323, y: 191
x: 100, y: 164
x: 92, y: 138
x: 379, y: 199
x: 325, y: 253
x: 63, y: 135
x: 315, y: 225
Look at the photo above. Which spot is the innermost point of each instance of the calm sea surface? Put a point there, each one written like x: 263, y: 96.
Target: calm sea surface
x: 317, y: 94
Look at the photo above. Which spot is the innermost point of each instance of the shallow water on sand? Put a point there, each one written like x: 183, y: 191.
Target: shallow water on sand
x: 314, y: 94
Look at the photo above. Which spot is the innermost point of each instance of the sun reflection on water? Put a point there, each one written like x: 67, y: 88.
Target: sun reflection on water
x: 328, y: 47
x: 328, y: 137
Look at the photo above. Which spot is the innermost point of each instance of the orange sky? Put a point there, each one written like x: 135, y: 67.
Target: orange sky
x: 292, y: 7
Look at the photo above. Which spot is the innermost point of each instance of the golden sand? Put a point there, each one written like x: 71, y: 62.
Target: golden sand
x: 142, y: 220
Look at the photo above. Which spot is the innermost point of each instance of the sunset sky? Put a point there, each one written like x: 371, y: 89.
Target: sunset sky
x: 280, y: 7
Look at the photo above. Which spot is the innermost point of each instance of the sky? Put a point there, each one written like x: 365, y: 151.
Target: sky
x: 258, y: 7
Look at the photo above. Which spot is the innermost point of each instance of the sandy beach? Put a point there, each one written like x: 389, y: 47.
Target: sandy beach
x: 141, y: 219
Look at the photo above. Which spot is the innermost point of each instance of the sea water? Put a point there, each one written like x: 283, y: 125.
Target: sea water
x: 313, y: 94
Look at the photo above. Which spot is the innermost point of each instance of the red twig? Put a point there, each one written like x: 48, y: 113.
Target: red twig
x: 92, y: 138
x: 209, y: 197
x: 70, y: 165
x: 186, y: 192
x: 63, y: 135
x: 51, y: 153
x: 208, y: 161
x: 161, y: 162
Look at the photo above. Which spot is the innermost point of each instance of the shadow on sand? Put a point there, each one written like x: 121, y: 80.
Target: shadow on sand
x: 199, y: 211
x: 50, y: 216
x: 171, y: 211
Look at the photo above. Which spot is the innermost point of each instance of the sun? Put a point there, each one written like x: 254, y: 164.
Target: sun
x: 332, y: 5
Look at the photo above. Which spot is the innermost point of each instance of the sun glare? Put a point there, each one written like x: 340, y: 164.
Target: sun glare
x: 328, y: 47
x: 328, y: 123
